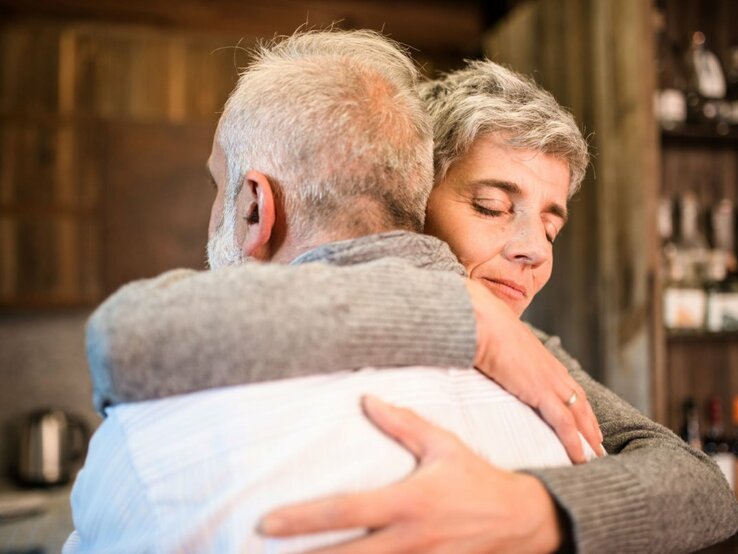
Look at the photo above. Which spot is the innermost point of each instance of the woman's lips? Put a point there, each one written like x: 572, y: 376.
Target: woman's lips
x: 510, y: 289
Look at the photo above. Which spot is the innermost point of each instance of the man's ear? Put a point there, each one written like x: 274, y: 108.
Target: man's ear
x: 256, y: 213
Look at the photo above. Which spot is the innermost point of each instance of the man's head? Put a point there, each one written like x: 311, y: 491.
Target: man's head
x: 507, y: 159
x: 324, y: 138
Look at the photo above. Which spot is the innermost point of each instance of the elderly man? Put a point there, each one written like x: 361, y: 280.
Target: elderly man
x: 488, y: 508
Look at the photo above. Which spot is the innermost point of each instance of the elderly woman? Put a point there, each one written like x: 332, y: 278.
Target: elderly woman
x: 507, y: 160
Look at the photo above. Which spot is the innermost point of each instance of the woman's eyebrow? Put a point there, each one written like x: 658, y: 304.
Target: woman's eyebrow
x: 506, y: 186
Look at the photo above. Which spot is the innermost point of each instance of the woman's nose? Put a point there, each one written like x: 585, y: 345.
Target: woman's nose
x: 527, y: 243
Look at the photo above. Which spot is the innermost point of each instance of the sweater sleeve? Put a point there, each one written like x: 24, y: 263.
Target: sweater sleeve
x: 176, y: 334
x: 653, y: 493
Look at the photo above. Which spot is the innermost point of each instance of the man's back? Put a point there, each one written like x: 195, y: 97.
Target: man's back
x: 195, y: 473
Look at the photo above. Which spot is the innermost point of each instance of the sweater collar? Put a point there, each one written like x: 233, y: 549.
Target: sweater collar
x: 422, y: 251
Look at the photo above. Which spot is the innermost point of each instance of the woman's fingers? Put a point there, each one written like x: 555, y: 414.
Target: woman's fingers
x: 587, y: 424
x: 584, y: 418
x: 560, y: 418
x: 509, y: 353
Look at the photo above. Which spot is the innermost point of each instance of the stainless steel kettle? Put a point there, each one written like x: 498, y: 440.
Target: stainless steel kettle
x: 50, y: 443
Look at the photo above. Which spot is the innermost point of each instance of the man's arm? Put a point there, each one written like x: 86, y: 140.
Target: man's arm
x: 186, y: 331
x: 652, y: 494
x: 453, y: 501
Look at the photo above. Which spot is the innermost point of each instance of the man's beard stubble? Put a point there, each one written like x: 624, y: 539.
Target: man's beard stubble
x: 222, y: 250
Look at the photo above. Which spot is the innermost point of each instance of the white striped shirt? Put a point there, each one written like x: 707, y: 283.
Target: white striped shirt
x: 195, y: 473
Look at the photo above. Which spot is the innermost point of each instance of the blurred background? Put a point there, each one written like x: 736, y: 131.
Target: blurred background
x: 107, y: 111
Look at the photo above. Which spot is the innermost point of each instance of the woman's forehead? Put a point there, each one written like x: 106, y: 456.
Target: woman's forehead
x: 490, y: 163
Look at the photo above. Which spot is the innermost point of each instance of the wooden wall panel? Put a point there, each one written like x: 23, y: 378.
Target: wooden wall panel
x: 28, y: 69
x: 8, y: 257
x: 117, y: 153
x: 107, y: 110
x: 210, y: 75
x: 157, y: 200
x: 595, y: 56
x: 432, y: 26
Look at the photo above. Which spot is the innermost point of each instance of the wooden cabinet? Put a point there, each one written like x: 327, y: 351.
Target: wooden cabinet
x: 104, y: 133
x: 107, y: 112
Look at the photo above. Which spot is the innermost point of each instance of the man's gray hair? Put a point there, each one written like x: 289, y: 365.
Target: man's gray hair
x: 486, y: 98
x: 334, y: 119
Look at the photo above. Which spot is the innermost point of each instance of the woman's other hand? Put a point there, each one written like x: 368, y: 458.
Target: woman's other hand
x: 509, y: 353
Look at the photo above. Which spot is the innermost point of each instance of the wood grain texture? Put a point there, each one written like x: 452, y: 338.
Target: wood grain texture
x: 157, y: 200
x: 81, y: 85
x: 431, y: 26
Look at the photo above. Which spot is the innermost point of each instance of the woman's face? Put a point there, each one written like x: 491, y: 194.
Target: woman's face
x: 500, y: 210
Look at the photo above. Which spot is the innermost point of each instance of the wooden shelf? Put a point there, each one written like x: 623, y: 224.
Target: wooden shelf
x: 699, y: 134
x: 701, y: 336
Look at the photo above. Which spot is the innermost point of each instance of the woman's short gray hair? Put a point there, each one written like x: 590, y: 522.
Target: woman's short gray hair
x: 334, y: 118
x: 486, y: 98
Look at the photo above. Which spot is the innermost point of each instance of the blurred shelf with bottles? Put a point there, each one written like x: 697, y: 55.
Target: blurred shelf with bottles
x: 696, y: 107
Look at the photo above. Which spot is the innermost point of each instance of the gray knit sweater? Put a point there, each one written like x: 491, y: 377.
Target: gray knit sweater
x: 390, y: 300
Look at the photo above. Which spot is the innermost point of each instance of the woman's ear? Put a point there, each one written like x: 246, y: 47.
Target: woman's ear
x: 256, y: 214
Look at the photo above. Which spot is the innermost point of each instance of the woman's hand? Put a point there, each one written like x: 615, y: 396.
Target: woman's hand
x: 454, y: 502
x: 509, y: 353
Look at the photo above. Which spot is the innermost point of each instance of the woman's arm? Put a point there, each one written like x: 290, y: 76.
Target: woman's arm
x: 185, y: 330
x: 652, y: 494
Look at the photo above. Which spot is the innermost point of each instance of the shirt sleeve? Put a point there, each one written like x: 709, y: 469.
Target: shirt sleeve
x: 110, y: 508
x: 186, y: 330
x: 653, y: 493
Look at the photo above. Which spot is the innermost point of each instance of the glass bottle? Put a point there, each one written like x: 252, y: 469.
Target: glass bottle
x: 706, y: 84
x: 685, y: 299
x: 732, y: 85
x: 690, y: 432
x: 671, y: 99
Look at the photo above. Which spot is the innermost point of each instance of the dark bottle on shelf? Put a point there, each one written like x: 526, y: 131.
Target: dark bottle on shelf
x: 732, y: 85
x: 715, y: 440
x: 670, y: 102
x: 706, y: 87
x: 716, y: 444
x: 734, y: 446
x: 691, y: 424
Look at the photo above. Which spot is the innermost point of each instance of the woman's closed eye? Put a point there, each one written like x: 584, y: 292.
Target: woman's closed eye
x: 491, y: 208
